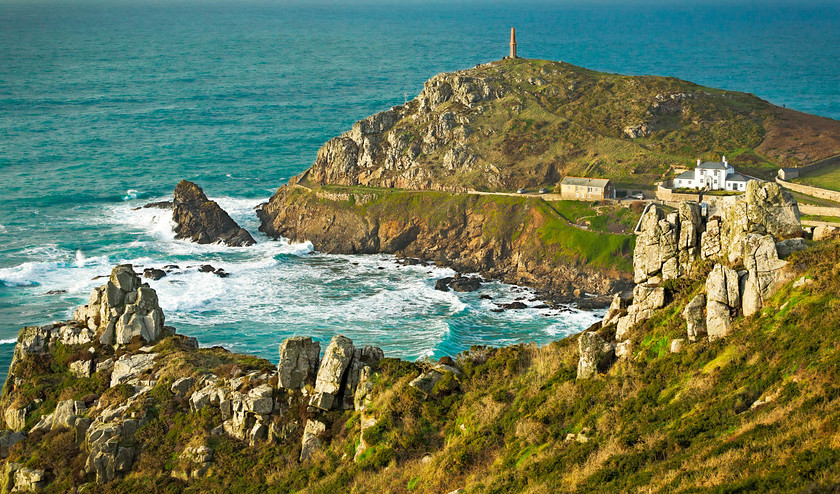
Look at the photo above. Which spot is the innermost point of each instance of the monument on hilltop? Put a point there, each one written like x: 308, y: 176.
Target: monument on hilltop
x: 513, y: 42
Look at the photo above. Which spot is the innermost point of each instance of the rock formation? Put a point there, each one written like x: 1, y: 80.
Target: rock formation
x: 596, y: 355
x: 202, y: 221
x: 298, y: 364
x: 757, y: 231
x: 122, y: 309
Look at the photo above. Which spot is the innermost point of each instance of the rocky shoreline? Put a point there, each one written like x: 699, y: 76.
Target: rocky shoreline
x: 456, y: 231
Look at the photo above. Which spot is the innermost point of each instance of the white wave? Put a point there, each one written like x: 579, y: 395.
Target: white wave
x: 130, y: 194
x: 10, y: 341
x: 3, y: 229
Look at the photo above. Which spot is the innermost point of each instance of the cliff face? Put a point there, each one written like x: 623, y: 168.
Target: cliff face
x: 526, y: 123
x: 510, y: 238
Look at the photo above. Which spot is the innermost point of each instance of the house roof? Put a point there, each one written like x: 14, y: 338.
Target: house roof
x: 713, y: 165
x: 689, y: 175
x: 735, y: 177
x: 589, y: 182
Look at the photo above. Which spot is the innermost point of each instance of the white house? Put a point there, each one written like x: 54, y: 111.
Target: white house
x: 714, y: 175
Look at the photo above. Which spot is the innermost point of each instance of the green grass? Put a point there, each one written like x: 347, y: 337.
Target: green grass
x: 827, y: 178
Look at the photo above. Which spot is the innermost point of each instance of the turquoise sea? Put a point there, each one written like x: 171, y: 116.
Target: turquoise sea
x: 106, y: 105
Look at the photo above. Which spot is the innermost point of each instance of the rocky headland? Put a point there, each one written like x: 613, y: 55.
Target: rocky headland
x: 397, y: 181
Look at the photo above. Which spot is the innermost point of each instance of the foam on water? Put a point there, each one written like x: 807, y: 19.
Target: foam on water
x: 276, y: 289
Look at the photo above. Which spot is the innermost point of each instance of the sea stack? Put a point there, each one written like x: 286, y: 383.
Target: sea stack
x: 203, y: 221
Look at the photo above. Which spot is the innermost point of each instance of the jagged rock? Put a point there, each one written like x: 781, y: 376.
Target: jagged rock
x: 16, y: 418
x: 330, y: 376
x: 31, y: 340
x: 298, y: 365
x: 826, y: 232
x: 128, y: 367
x: 196, y: 463
x: 311, y: 441
x: 65, y: 416
x: 81, y: 368
x: 122, y: 309
x: 259, y: 400
x: 427, y: 381
x: 624, y: 349
x: 646, y: 299
x: 182, y: 386
x: 803, y: 281
x: 596, y: 355
x: 768, y: 209
x: 789, y: 246
x: 710, y: 244
x: 202, y: 221
x: 695, y: 318
x: 638, y: 130
x: 8, y: 439
x: 17, y: 478
x: 363, y: 358
x: 209, y: 394
x: 677, y: 345
x: 763, y: 265
x: 723, y: 297
x: 107, y: 456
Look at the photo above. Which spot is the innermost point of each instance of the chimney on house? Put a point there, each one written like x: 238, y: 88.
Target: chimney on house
x: 698, y: 161
x: 513, y: 42
x: 724, y: 160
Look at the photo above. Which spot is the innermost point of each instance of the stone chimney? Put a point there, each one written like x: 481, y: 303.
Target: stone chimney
x: 698, y: 161
x: 513, y: 42
x: 723, y: 158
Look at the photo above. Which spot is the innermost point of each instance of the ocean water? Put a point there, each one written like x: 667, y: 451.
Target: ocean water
x: 106, y: 105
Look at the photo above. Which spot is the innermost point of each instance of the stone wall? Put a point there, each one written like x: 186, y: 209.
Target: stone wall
x: 831, y: 195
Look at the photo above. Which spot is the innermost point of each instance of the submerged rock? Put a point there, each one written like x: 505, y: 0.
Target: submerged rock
x: 202, y: 221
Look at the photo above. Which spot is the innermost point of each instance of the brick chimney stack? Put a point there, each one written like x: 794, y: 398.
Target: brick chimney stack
x: 513, y: 42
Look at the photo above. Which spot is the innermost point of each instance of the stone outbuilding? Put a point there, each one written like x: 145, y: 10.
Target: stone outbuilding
x: 586, y: 189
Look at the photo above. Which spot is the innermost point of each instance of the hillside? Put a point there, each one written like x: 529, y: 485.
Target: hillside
x: 526, y: 123
x: 757, y: 410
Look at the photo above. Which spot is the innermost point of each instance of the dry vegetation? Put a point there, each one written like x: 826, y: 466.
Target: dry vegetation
x: 518, y: 421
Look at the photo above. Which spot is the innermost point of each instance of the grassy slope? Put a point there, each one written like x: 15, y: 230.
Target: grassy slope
x: 507, y: 217
x: 828, y: 178
x: 574, y: 123
x: 661, y: 422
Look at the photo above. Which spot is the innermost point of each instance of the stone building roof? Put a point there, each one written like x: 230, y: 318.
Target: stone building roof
x: 587, y: 182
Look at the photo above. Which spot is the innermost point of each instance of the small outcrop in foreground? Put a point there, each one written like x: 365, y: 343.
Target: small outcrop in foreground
x: 203, y: 221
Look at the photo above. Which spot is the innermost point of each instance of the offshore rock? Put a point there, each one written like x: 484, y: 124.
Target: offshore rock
x: 202, y: 221
x: 596, y: 355
x: 298, y: 365
x: 331, y: 373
